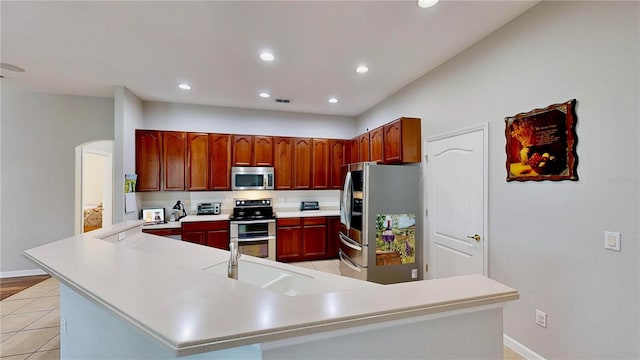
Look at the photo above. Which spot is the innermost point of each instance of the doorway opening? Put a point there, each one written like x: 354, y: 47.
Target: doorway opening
x: 94, y: 185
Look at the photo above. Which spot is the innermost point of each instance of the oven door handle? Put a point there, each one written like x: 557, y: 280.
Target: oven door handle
x: 244, y: 222
x: 348, y: 242
x: 254, y: 239
x: 348, y: 262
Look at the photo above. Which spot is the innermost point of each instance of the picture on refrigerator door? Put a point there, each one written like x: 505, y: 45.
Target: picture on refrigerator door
x: 395, y: 239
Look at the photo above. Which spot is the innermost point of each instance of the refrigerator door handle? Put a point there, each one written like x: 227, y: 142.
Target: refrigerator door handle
x: 348, y: 242
x: 347, y: 195
x: 345, y: 260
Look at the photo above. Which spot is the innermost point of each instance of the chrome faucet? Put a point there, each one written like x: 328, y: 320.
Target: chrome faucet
x: 234, y: 254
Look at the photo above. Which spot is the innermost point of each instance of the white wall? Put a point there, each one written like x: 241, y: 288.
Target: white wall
x: 127, y: 118
x: 39, y: 136
x: 215, y: 119
x: 546, y: 238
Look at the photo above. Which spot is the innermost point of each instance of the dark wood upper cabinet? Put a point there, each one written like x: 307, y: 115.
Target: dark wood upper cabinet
x: 197, y: 161
x: 179, y: 161
x: 337, y: 161
x: 402, y: 141
x: 354, y: 149
x: 320, y: 163
x: 174, y: 151
x: 376, y: 141
x: 148, y: 160
x: 242, y: 150
x: 250, y: 150
x: 302, y: 163
x: 283, y: 162
x: 263, y: 151
x: 219, y: 162
x: 364, y: 148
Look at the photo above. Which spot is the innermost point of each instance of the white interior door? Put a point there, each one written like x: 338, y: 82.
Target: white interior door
x: 457, y: 203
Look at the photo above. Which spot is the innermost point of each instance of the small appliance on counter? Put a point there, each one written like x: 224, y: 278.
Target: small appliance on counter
x: 152, y: 216
x: 309, y: 205
x: 178, y: 211
x: 209, y: 208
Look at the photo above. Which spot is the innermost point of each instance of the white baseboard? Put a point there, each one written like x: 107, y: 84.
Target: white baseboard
x: 32, y: 272
x: 522, y: 350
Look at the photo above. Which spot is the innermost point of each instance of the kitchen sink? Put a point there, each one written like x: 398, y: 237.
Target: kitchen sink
x: 272, y: 278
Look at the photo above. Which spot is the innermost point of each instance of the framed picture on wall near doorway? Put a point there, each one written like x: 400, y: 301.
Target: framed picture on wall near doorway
x: 541, y: 144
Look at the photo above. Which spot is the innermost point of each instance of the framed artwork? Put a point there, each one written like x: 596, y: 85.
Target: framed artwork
x: 395, y: 239
x: 541, y: 144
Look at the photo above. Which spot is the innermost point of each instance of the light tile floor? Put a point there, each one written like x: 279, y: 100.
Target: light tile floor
x: 30, y: 319
x: 29, y: 323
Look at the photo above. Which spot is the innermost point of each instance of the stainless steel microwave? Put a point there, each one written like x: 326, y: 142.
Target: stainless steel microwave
x: 252, y: 178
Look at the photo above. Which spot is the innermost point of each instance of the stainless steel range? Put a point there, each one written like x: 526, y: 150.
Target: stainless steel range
x: 253, y: 226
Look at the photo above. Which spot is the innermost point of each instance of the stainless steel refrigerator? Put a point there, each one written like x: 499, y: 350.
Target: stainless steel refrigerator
x: 381, y: 225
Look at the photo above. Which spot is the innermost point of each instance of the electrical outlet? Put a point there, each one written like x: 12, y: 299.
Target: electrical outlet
x: 414, y: 273
x: 541, y: 318
x: 63, y: 326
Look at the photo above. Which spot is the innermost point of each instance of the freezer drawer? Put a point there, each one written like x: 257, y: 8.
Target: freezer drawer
x: 350, y: 269
x: 357, y: 252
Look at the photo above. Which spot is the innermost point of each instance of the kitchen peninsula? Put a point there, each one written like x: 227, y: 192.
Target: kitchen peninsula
x: 128, y: 294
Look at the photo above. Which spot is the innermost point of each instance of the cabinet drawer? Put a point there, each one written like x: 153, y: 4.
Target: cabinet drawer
x: 314, y: 221
x: 205, y: 225
x: 288, y: 222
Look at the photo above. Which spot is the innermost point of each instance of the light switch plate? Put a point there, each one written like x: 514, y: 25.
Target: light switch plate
x: 612, y: 240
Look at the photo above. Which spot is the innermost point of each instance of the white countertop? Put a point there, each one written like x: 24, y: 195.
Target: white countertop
x: 158, y: 285
x: 308, y: 213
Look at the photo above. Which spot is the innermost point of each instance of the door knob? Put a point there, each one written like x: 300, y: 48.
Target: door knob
x: 475, y: 237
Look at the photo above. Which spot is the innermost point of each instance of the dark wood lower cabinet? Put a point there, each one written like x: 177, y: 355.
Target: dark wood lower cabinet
x: 303, y: 239
x: 333, y: 241
x: 288, y: 236
x: 208, y: 233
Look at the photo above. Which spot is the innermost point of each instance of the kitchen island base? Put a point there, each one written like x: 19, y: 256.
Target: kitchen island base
x: 91, y: 332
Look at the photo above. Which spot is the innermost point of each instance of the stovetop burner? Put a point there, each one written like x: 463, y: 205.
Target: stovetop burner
x: 249, y: 209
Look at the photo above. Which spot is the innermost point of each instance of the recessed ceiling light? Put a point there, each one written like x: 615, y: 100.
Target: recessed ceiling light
x: 264, y: 95
x: 267, y: 56
x: 184, y: 86
x: 427, y: 3
x: 362, y: 69
x: 333, y: 100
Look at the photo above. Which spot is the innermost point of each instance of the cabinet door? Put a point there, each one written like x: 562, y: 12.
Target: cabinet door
x: 218, y: 239
x: 197, y: 161
x: 283, y: 163
x: 314, y: 238
x: 288, y: 246
x: 220, y: 162
x: 263, y: 151
x: 376, y: 141
x: 354, y: 150
x: 242, y: 150
x: 302, y: 163
x: 196, y: 237
x: 333, y: 241
x: 337, y: 161
x: 320, y: 164
x: 148, y: 160
x: 364, y: 147
x: 393, y: 137
x: 402, y: 141
x: 173, y: 160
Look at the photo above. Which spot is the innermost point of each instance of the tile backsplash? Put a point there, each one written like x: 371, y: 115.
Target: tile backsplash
x: 283, y: 200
